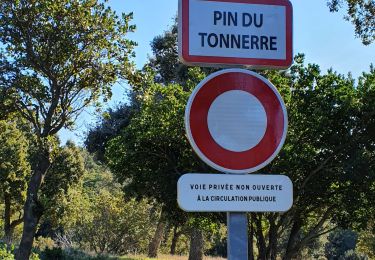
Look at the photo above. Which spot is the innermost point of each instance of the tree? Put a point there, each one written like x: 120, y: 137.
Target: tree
x: 329, y: 152
x: 66, y: 171
x: 95, y: 215
x: 353, y: 255
x: 17, y: 155
x: 196, y: 245
x: 151, y: 153
x: 140, y: 168
x: 14, y: 171
x: 58, y: 57
x: 165, y: 62
x: 366, y: 240
x: 115, y: 226
x: 362, y: 15
x: 339, y: 242
x: 110, y: 125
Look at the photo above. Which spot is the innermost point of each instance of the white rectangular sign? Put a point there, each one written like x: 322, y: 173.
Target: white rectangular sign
x: 244, y: 32
x: 234, y: 193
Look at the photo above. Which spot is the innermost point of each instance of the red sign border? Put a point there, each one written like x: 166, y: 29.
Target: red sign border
x: 204, y: 144
x: 183, y: 40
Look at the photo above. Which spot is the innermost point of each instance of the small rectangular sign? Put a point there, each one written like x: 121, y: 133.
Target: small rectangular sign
x: 251, y: 33
x: 234, y: 193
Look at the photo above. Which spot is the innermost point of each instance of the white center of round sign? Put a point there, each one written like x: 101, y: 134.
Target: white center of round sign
x: 237, y: 120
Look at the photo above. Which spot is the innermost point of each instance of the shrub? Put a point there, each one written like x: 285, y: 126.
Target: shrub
x: 58, y: 253
x: 353, y: 255
x: 43, y: 243
x: 5, y: 254
x: 339, y: 242
x: 55, y: 253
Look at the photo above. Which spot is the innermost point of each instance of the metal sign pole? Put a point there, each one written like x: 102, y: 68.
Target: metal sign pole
x: 223, y: 144
x: 237, y: 236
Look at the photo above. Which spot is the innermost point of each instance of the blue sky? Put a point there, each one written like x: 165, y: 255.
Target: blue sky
x: 325, y: 38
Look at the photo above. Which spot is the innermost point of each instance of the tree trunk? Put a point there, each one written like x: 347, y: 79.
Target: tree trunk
x: 250, y: 240
x: 272, y: 238
x: 175, y: 238
x: 158, y: 236
x: 290, y: 249
x: 196, y: 245
x: 8, y: 232
x: 32, y: 209
x: 261, y: 243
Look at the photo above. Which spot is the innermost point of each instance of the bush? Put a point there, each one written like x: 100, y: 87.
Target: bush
x: 5, y: 254
x: 43, y: 243
x: 58, y: 253
x: 55, y: 253
x: 353, y: 255
x: 339, y: 242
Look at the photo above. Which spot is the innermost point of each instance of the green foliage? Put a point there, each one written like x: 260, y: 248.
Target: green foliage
x: 182, y: 245
x: 366, y: 240
x: 165, y: 63
x: 66, y: 169
x: 5, y: 254
x: 70, y: 254
x: 216, y: 244
x: 361, y: 13
x: 339, y: 242
x: 353, y: 255
x: 154, y: 142
x: 65, y: 172
x: 329, y: 151
x: 57, y: 57
x: 110, y: 125
x: 152, y: 152
x: 95, y: 216
x: 54, y: 253
x: 117, y: 226
x: 61, y: 57
x: 14, y: 172
x: 165, y: 60
x: 154, y: 134
x: 14, y: 165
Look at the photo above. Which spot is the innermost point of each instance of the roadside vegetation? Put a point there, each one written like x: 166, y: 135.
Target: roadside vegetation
x: 115, y: 198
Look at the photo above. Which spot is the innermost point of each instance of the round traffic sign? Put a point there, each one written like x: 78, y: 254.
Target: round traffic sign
x: 236, y: 121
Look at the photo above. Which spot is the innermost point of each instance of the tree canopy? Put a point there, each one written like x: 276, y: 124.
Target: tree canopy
x: 362, y: 15
x: 329, y: 151
x: 155, y: 137
x: 57, y: 57
x: 60, y: 56
x: 109, y: 126
x: 14, y: 171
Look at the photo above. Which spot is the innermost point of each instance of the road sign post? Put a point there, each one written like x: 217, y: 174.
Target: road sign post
x: 236, y: 120
x: 237, y: 236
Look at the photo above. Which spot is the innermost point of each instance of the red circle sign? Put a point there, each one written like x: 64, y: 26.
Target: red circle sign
x: 236, y: 121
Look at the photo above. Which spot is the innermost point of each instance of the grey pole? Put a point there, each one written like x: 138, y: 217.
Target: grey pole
x: 237, y: 236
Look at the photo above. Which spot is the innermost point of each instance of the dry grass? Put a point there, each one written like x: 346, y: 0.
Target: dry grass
x: 166, y: 257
